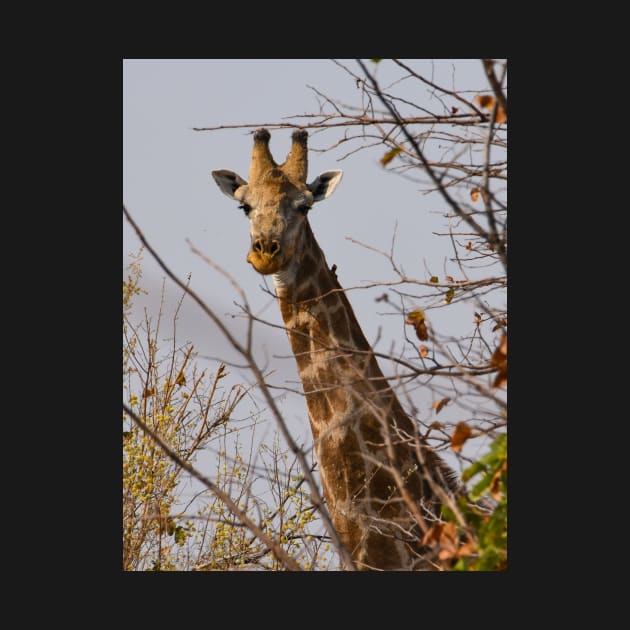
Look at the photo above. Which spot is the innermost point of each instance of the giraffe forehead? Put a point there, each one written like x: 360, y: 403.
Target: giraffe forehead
x: 276, y: 212
x: 276, y: 189
x: 275, y: 196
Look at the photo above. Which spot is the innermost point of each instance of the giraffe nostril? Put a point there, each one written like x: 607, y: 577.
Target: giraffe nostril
x: 265, y: 246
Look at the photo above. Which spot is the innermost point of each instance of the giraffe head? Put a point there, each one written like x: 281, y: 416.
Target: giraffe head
x: 276, y: 200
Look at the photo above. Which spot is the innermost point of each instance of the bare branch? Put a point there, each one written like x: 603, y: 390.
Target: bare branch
x: 289, y: 562
x: 260, y: 380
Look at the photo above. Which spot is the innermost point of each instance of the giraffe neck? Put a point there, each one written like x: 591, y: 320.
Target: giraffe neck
x: 333, y: 356
x: 313, y: 303
x: 359, y: 426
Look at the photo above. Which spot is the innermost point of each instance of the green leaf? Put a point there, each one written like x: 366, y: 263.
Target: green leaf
x: 490, y: 559
x: 463, y: 564
x: 449, y: 295
x: 180, y: 534
x: 497, y: 453
x: 433, y: 279
x: 494, y: 530
x: 473, y: 470
x: 375, y: 60
x: 485, y: 482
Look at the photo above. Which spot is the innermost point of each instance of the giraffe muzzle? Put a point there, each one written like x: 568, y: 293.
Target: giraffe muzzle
x: 265, y: 255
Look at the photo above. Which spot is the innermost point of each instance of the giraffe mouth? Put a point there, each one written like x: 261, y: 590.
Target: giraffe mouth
x: 264, y: 263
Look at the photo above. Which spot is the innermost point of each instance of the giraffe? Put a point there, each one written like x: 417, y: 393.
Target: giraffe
x: 383, y: 486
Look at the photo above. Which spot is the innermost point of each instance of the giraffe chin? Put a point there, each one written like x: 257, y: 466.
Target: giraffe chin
x: 263, y: 263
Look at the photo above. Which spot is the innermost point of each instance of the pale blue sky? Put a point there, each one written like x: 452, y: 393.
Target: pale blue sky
x: 169, y: 192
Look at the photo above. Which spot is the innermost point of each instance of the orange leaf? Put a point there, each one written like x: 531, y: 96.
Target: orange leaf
x: 423, y: 351
x: 500, y: 324
x: 500, y: 354
x: 460, y: 435
x: 469, y: 245
x: 475, y: 192
x: 500, y: 380
x: 499, y: 360
x: 449, y: 279
x: 485, y: 100
x: 438, y: 405
x: 421, y: 331
x: 494, y: 485
x: 449, y: 532
x: 467, y: 549
x: 416, y: 319
x: 434, y: 533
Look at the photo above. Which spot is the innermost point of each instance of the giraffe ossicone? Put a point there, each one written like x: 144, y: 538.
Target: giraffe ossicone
x: 383, y: 485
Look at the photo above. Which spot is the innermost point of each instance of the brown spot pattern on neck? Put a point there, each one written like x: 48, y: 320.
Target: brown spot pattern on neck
x: 359, y: 426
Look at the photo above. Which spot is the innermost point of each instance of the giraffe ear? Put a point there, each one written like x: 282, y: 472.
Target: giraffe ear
x: 323, y: 186
x: 228, y: 182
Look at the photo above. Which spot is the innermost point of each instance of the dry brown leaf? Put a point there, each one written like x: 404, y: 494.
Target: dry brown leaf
x: 468, y: 245
x: 454, y: 110
x: 485, y: 100
x: 496, y: 479
x: 499, y: 360
x: 416, y: 319
x: 500, y: 324
x: 438, y: 405
x: 449, y: 279
x: 475, y: 192
x: 424, y: 351
x: 448, y: 542
x: 500, y: 380
x: 148, y: 391
x: 433, y: 534
x: 462, y: 433
x: 445, y: 537
x: 389, y: 156
x: 467, y: 549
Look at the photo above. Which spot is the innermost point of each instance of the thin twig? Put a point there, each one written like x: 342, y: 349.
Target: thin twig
x: 260, y: 380
x: 277, y: 549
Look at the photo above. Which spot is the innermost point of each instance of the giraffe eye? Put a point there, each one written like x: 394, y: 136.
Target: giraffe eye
x: 246, y: 208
